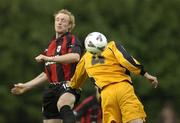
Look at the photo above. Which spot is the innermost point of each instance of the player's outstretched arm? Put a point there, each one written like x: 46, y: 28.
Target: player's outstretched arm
x: 21, y: 88
x: 152, y: 79
x: 67, y: 58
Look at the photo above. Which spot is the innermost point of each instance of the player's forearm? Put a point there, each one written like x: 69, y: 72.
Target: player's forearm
x: 68, y: 58
x: 147, y: 75
x: 40, y: 79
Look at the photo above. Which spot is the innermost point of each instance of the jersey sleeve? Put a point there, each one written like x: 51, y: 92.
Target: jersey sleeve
x: 126, y: 60
x: 75, y: 46
x: 79, y: 76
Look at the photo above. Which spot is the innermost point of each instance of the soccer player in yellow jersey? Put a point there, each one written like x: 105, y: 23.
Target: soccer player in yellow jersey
x: 110, y: 69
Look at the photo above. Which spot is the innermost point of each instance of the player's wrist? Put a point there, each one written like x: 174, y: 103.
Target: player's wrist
x: 50, y: 59
x: 143, y: 72
x: 28, y: 86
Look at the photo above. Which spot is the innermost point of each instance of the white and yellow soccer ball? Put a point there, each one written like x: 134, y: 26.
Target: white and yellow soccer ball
x: 95, y: 42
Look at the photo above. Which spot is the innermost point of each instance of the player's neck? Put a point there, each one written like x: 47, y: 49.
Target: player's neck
x: 58, y: 35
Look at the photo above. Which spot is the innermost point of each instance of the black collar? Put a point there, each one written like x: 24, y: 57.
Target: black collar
x: 63, y: 35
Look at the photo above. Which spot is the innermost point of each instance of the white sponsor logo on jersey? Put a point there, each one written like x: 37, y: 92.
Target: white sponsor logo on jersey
x: 58, y: 49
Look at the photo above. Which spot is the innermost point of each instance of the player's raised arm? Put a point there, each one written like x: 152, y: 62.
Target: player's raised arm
x: 21, y: 88
x: 79, y: 76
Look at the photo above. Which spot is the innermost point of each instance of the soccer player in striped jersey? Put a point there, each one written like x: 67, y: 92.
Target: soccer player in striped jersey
x: 60, y: 59
x: 110, y: 66
x: 89, y: 111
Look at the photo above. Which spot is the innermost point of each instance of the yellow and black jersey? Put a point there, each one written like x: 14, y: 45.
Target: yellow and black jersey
x: 114, y: 64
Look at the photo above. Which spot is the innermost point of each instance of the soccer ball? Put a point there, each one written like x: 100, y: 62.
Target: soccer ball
x: 95, y: 42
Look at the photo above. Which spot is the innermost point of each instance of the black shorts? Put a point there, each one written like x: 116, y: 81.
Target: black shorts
x: 50, y: 97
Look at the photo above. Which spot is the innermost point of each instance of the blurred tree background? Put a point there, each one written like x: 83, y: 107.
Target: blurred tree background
x: 148, y: 29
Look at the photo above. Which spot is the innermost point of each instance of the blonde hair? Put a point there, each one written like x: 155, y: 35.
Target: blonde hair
x: 71, y: 17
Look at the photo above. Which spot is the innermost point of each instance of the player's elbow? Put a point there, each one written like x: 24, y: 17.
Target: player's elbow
x: 76, y: 57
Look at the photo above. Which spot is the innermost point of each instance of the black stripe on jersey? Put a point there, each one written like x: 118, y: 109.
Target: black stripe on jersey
x: 70, y: 67
x: 60, y: 73
x: 58, y: 43
x: 69, y: 39
x: 75, y: 45
x: 48, y: 69
x: 59, y: 70
x: 127, y: 71
x: 129, y: 57
x: 126, y: 55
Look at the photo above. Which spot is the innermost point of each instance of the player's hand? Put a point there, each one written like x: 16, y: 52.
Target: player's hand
x: 152, y: 79
x: 19, y: 88
x: 41, y: 58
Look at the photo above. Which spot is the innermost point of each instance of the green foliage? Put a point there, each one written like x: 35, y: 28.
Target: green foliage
x: 148, y: 29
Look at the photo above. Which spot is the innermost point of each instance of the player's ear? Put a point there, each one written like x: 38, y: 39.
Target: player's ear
x: 69, y: 27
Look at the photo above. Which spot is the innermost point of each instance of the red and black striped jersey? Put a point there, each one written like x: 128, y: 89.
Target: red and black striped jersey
x: 67, y: 43
x: 89, y: 110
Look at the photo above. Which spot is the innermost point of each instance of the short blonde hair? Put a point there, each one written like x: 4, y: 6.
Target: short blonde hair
x: 71, y: 17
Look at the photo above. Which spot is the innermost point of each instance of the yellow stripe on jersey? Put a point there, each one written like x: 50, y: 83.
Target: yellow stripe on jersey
x: 113, y: 65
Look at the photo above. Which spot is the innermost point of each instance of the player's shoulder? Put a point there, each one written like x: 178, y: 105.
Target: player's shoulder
x: 114, y: 43
x: 111, y: 43
x: 87, y: 54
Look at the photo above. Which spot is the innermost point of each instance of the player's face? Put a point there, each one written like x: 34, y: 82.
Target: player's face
x: 62, y: 23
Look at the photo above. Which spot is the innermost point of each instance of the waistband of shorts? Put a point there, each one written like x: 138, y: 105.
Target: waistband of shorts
x: 57, y: 83
x: 52, y: 84
x: 100, y: 89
